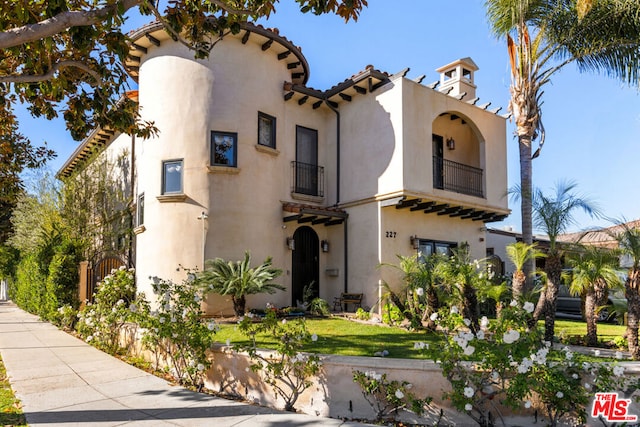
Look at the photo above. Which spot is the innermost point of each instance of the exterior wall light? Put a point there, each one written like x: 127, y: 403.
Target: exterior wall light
x: 451, y: 144
x: 415, y: 242
x: 324, y: 245
x: 291, y: 244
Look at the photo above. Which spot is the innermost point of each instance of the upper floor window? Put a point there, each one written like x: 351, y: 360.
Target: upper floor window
x: 224, y: 149
x: 266, y: 130
x: 172, y: 172
x: 140, y: 212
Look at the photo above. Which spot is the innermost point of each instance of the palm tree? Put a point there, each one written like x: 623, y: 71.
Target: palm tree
x: 239, y: 279
x: 420, y: 291
x: 463, y: 280
x: 629, y: 240
x: 519, y: 254
x: 595, y: 271
x: 543, y: 36
x: 554, y: 215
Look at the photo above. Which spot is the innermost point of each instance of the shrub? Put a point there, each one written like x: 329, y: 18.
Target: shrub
x: 391, y: 314
x: 28, y: 287
x: 319, y: 307
x: 102, y: 322
x: 176, y: 331
x: 287, y: 370
x: 65, y: 317
x: 362, y: 314
x: 62, y: 280
x: 506, y: 361
x: 388, y: 397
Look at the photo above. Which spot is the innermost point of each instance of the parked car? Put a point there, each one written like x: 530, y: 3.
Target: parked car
x: 570, y: 307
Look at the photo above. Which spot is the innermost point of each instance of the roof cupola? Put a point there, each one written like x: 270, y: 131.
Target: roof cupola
x: 456, y: 78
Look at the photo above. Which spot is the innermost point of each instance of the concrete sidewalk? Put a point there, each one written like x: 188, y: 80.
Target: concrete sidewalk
x: 63, y: 381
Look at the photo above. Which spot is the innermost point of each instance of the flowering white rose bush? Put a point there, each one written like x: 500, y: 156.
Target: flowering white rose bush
x: 287, y: 370
x: 507, y: 362
x: 388, y: 397
x: 176, y: 331
x: 104, y: 319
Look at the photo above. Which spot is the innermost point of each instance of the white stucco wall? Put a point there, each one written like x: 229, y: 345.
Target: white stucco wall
x: 187, y: 99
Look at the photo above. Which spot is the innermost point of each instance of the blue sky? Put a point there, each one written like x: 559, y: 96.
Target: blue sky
x: 592, y: 121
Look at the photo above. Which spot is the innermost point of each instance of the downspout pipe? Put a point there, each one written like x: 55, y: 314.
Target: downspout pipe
x: 335, y: 110
x: 346, y: 235
x: 132, y: 183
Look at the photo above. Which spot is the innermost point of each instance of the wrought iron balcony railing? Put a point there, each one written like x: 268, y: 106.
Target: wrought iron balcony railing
x: 307, y: 179
x: 457, y: 177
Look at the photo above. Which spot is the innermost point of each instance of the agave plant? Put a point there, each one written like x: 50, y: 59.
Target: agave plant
x: 239, y: 279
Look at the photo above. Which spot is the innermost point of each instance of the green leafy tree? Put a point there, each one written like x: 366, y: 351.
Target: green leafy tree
x: 238, y: 279
x: 17, y: 154
x: 94, y: 205
x: 544, y: 36
x: 595, y: 271
x: 9, y: 257
x: 554, y: 215
x: 36, y: 217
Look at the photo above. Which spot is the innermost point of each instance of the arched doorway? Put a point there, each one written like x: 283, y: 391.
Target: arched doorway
x: 305, y: 264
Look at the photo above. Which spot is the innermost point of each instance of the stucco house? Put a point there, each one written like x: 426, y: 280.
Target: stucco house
x: 329, y: 183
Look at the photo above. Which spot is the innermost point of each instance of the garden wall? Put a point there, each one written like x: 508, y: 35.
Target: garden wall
x: 334, y: 393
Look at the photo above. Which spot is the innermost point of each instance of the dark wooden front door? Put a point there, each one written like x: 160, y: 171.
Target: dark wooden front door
x: 305, y: 267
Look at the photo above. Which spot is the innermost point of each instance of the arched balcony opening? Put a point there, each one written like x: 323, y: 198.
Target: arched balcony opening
x: 458, y: 156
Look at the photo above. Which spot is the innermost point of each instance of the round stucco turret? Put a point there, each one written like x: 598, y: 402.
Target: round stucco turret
x: 187, y: 99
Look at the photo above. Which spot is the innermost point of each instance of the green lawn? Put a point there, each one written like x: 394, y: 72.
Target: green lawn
x: 606, y: 331
x: 346, y: 338
x: 350, y: 338
x: 10, y: 412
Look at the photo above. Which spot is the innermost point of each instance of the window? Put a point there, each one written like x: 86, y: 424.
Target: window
x: 172, y: 176
x: 140, y: 213
x: 266, y: 130
x: 224, y: 149
x: 430, y: 247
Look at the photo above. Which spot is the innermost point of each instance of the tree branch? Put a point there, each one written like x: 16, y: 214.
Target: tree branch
x: 48, y: 75
x: 222, y: 5
x: 60, y: 22
x: 167, y: 27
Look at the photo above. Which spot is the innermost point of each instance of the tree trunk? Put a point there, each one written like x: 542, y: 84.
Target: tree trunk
x: 631, y: 291
x: 239, y: 303
x: 541, y: 305
x: 553, y: 269
x: 526, y: 205
x: 470, y: 309
x: 433, y: 304
x: 518, y: 284
x: 591, y: 318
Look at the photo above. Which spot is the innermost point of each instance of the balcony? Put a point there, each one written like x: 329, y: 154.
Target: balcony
x: 457, y: 177
x: 307, y: 179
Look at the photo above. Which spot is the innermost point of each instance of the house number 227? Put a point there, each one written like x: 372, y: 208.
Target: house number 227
x: 391, y: 234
